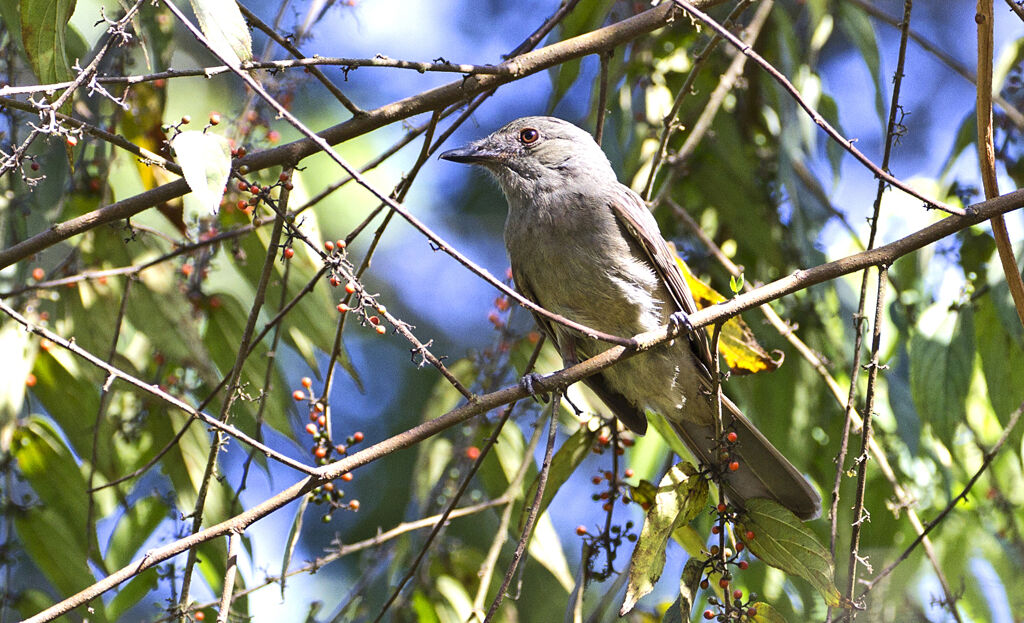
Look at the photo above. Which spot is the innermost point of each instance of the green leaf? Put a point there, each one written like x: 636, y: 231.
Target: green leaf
x: 1002, y: 359
x: 766, y: 614
x: 48, y: 466
x: 225, y: 28
x: 941, y: 360
x: 689, y: 582
x: 55, y: 547
x: 856, y: 25
x: 132, y: 592
x: 133, y: 529
x: 784, y: 542
x: 682, y: 494
x: 293, y: 539
x: 205, y: 160
x: 546, y: 548
x: 43, y: 33
x: 563, y: 464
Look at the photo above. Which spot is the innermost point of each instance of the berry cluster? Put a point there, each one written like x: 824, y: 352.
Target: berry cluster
x: 356, y: 300
x: 722, y: 560
x: 319, y: 428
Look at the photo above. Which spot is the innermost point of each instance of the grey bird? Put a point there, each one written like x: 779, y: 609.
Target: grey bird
x: 586, y: 247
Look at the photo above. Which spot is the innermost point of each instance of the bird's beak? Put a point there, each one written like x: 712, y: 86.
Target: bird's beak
x: 474, y: 153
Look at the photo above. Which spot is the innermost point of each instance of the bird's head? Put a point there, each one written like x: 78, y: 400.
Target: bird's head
x: 535, y: 155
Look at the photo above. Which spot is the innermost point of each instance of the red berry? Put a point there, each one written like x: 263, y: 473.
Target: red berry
x: 242, y: 186
x: 704, y: 584
x: 31, y: 380
x: 724, y: 583
x: 347, y: 476
x: 732, y: 437
x: 283, y: 177
x: 299, y: 394
x: 343, y: 308
x: 312, y: 429
x: 357, y: 437
x: 596, y: 480
x: 607, y: 506
x: 604, y: 439
x: 749, y: 535
x: 740, y: 546
x: 38, y: 273
x: 334, y: 281
x: 472, y: 453
x: 744, y: 564
x: 199, y: 615
x: 581, y: 530
x: 328, y: 245
x: 735, y: 465
x: 737, y: 594
x: 708, y: 614
x: 721, y: 507
x: 715, y: 529
x: 752, y: 612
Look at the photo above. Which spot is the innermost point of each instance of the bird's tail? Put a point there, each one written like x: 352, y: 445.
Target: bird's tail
x: 763, y: 471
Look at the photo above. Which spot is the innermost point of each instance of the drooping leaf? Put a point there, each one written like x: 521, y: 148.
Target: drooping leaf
x: 689, y: 582
x: 681, y: 495
x: 205, y: 160
x: 563, y: 464
x: 132, y: 592
x: 781, y: 540
x: 44, y: 35
x: 941, y: 360
x: 742, y: 353
x: 1002, y: 360
x: 546, y: 548
x: 293, y: 539
x: 225, y: 28
x: 766, y: 614
x: 133, y: 529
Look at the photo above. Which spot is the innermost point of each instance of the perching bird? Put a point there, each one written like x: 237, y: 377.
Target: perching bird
x: 586, y: 247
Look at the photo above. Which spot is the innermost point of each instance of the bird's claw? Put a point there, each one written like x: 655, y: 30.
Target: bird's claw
x: 680, y: 322
x: 527, y: 383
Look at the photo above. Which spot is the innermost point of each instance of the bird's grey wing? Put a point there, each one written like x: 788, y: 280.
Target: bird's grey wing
x: 629, y: 414
x: 639, y: 224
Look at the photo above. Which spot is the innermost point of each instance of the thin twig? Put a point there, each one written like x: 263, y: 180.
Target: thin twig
x: 229, y: 578
x: 531, y: 518
x: 860, y: 514
x: 815, y: 115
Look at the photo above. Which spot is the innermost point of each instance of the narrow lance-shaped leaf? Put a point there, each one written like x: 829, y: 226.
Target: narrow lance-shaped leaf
x: 205, y: 160
x: 681, y: 495
x: 224, y: 27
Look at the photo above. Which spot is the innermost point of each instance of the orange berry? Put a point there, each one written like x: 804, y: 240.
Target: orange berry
x: 334, y: 281
x: 357, y: 436
x: 214, y: 118
x: 343, y: 308
x: 381, y: 329
x: 45, y: 344
x: 322, y: 421
x: 472, y: 453
x: 354, y: 505
x: 289, y: 253
x: 72, y: 140
x: 38, y: 273
x: 328, y: 486
x: 628, y: 473
x: 735, y: 465
x: 581, y: 530
x: 199, y: 615
x: 307, y: 382
x: 350, y: 287
x: 30, y: 380
x: 299, y: 394
x: 749, y: 535
x: 732, y: 437
x: 347, y: 476
x: 320, y: 452
x: 312, y: 429
x: 328, y: 245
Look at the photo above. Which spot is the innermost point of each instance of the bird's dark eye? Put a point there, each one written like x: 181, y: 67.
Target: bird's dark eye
x: 528, y: 136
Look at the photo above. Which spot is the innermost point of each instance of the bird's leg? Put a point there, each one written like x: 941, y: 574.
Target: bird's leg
x: 527, y: 381
x: 680, y: 323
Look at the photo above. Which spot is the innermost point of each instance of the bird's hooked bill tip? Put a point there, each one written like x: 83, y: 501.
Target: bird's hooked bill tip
x: 469, y: 154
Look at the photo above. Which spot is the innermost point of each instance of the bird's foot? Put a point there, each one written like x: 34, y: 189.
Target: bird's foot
x: 527, y: 383
x: 680, y: 323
